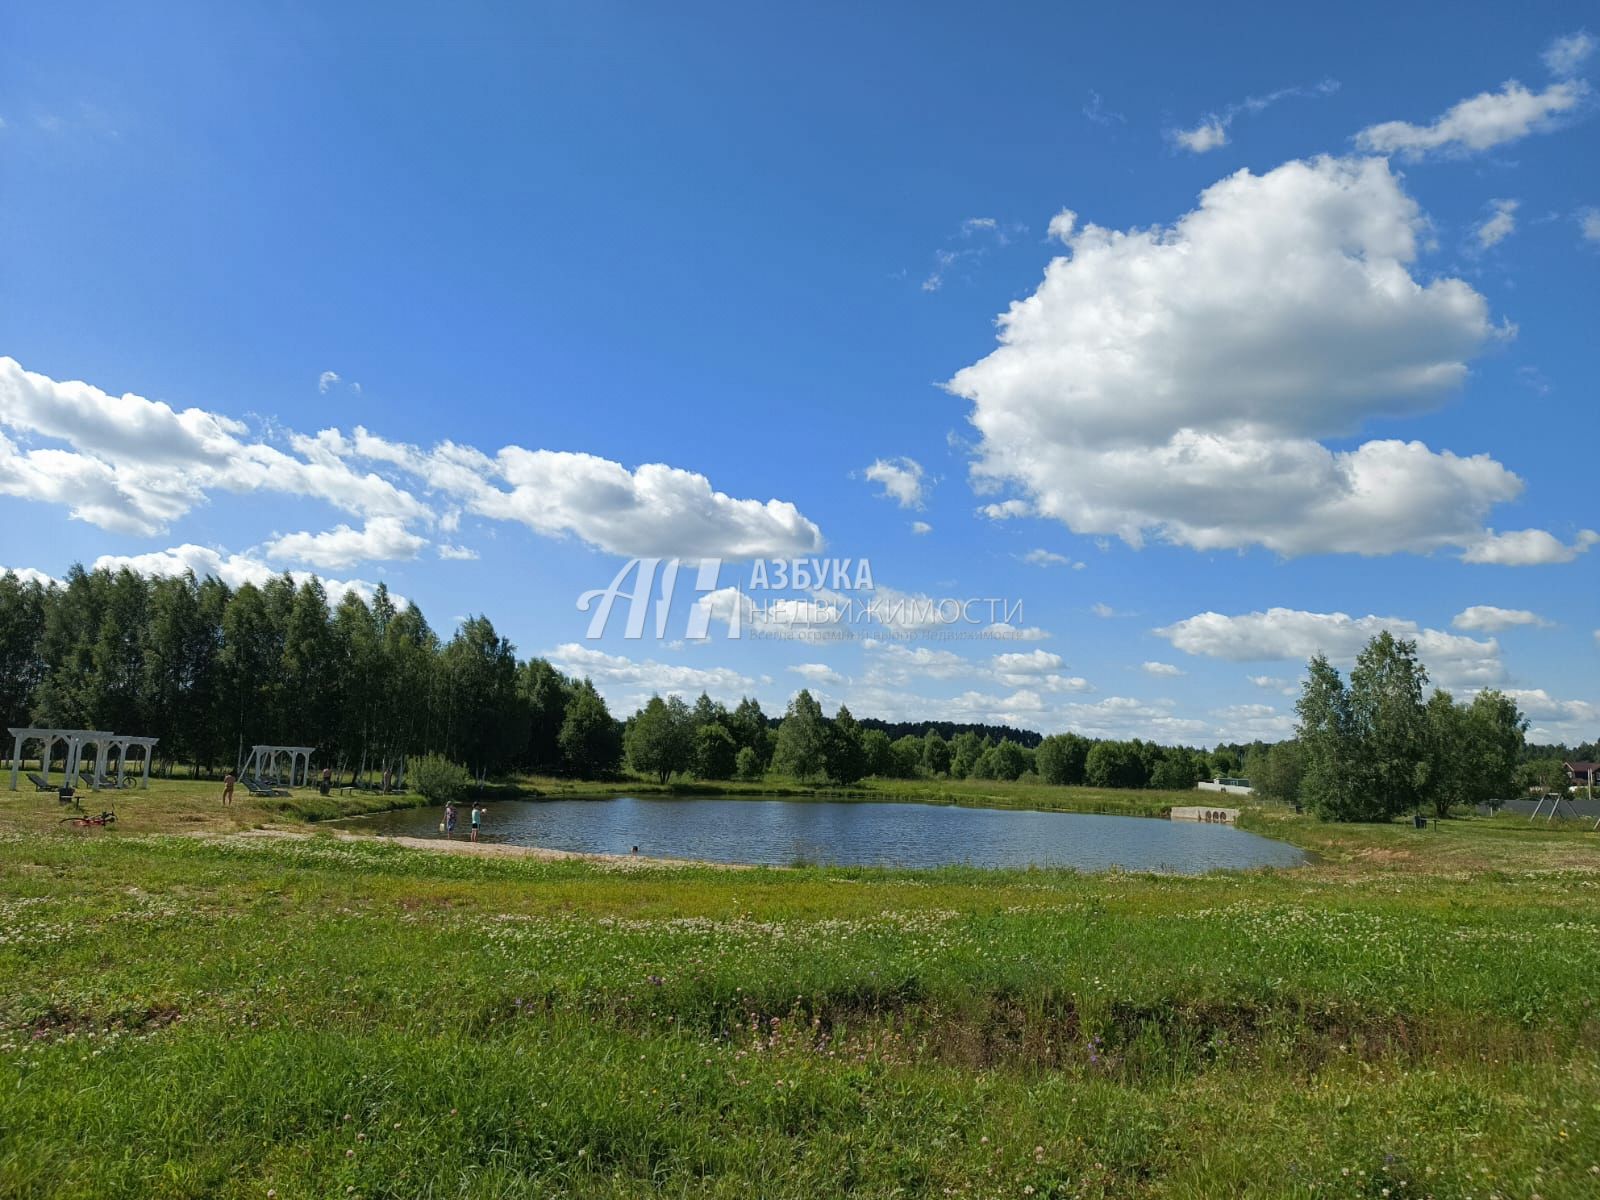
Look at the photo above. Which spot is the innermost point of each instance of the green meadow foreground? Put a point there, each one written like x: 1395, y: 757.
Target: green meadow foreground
x: 237, y: 1015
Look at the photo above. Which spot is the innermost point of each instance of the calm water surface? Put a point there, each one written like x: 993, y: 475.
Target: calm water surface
x: 778, y: 832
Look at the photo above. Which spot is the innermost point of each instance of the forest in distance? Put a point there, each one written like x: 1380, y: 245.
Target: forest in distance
x: 211, y: 669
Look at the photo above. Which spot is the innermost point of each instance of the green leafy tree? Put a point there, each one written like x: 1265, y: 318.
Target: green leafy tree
x: 1389, y: 725
x: 716, y: 755
x: 710, y: 712
x: 935, y: 754
x: 1278, y: 776
x: 1115, y: 765
x: 1543, y: 777
x: 1178, y: 770
x: 748, y: 724
x: 747, y: 765
x: 965, y: 750
x: 878, y: 752
x: 1004, y: 760
x: 591, y: 743
x: 1327, y: 739
x: 1061, y: 757
x: 801, y: 750
x: 1496, y: 730
x: 906, y: 756
x: 22, y: 663
x: 439, y: 779
x: 543, y: 691
x: 846, y: 757
x: 660, y: 738
x: 485, y: 723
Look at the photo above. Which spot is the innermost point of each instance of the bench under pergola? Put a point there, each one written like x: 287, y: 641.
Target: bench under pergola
x: 267, y: 756
x: 104, y: 741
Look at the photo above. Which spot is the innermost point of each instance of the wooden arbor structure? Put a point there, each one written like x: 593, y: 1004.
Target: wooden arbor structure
x: 76, y: 741
x: 266, y: 757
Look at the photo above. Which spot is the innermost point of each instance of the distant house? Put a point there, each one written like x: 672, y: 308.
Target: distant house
x: 1582, y: 774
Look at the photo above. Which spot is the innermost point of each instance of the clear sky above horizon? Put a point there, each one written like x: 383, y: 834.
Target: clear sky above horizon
x: 1215, y: 338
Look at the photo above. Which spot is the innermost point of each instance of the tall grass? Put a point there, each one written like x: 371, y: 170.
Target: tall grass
x: 190, y: 1017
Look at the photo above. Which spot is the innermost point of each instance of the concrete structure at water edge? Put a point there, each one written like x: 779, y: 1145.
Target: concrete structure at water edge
x: 105, y: 743
x: 1199, y: 812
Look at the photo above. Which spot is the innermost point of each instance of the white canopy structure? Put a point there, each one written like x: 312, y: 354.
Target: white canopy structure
x: 267, y: 757
x: 103, y: 741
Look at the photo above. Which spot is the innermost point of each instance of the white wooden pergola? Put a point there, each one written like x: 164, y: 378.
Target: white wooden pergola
x: 267, y: 756
x: 103, y: 741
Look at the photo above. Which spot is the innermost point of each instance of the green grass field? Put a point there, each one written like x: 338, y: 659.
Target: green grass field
x: 245, y: 1016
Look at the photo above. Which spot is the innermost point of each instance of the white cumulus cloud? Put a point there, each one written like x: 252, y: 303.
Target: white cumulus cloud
x: 901, y: 479
x: 1208, y: 135
x: 1177, y: 381
x: 1486, y: 618
x: 1527, y: 548
x: 1284, y: 634
x: 235, y: 570
x: 819, y: 673
x: 134, y: 465
x: 1486, y: 120
x: 30, y: 575
x: 379, y: 539
x: 627, y: 683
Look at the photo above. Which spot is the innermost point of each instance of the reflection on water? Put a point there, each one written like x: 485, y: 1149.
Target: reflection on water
x: 779, y: 832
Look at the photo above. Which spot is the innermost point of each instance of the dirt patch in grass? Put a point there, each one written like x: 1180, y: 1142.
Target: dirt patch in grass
x: 59, y: 1021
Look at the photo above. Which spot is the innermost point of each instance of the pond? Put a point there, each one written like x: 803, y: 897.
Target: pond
x: 779, y: 832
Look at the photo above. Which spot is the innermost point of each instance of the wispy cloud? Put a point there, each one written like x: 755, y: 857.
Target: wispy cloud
x: 1096, y: 111
x: 1211, y: 131
x: 1566, y: 54
x: 1499, y: 225
x: 972, y: 241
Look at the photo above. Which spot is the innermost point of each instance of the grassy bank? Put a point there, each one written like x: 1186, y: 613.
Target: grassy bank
x: 198, y: 1017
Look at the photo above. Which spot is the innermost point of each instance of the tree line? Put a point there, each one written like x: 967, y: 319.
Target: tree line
x: 1378, y: 747
x: 212, y: 670
x: 668, y: 737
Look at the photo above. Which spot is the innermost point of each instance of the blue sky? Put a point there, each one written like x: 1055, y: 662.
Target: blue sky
x: 1304, y: 331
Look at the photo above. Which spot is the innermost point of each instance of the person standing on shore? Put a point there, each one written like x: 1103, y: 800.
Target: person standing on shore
x: 477, y: 820
x: 228, y: 781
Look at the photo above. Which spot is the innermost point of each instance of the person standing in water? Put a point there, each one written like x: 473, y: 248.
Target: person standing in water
x: 449, y: 819
x: 477, y: 820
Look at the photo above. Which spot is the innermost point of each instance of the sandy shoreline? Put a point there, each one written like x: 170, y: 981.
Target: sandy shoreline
x: 491, y: 849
